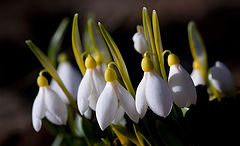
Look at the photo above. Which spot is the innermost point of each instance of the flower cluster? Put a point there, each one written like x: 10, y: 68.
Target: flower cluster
x: 105, y: 87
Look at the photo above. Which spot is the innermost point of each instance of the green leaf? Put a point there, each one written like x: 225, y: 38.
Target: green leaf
x: 76, y: 44
x: 56, y: 41
x: 98, y: 41
x: 88, y: 45
x: 141, y: 138
x: 124, y: 135
x: 118, y: 58
x: 168, y: 136
x: 92, y: 132
x: 58, y: 140
x: 106, y: 142
x: 150, y: 39
x: 198, y: 48
x: 51, y: 70
x: 158, y: 43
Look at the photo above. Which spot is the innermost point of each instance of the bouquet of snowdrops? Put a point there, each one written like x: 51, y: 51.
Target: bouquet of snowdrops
x: 99, y: 106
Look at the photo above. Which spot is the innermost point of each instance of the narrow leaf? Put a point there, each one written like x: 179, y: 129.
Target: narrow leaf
x: 51, y: 70
x: 56, y: 41
x: 76, y: 44
x: 149, y: 38
x: 158, y: 43
x: 123, y: 135
x: 118, y: 58
x: 98, y: 41
x: 58, y: 140
x: 139, y: 138
x: 198, y: 49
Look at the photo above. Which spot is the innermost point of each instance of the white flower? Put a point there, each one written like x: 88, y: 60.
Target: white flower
x: 47, y: 104
x: 196, y: 75
x: 180, y: 83
x: 70, y: 78
x: 221, y: 78
x: 140, y: 44
x: 90, y: 87
x: 153, y: 91
x: 114, y: 101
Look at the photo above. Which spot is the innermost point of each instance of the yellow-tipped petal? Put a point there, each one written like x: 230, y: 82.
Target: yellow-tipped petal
x: 173, y: 59
x: 147, y: 65
x: 110, y: 75
x: 42, y: 81
x: 90, y: 62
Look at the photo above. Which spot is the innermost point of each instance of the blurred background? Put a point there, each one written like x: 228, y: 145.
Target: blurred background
x: 217, y: 20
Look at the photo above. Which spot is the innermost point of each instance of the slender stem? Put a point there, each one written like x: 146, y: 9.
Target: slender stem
x: 166, y: 51
x: 42, y: 71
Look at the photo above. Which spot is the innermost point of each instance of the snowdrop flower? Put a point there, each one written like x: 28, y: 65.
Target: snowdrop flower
x: 153, y: 91
x: 90, y: 87
x: 114, y: 101
x: 180, y: 83
x: 221, y: 78
x: 47, y: 104
x: 69, y: 76
x: 196, y: 75
x: 140, y: 44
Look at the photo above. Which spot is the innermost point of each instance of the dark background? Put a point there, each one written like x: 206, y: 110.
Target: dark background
x: 217, y: 20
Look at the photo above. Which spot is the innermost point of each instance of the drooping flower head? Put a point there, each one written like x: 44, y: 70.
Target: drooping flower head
x: 69, y: 76
x: 140, y: 43
x: 153, y: 91
x: 180, y: 83
x: 90, y: 87
x: 221, y: 78
x: 196, y: 75
x: 114, y: 101
x: 47, y: 104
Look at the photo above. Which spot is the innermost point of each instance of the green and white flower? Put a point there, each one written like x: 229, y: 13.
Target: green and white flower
x: 140, y: 44
x: 69, y: 76
x: 47, y: 104
x: 90, y: 87
x: 153, y: 91
x: 114, y: 101
x: 221, y: 78
x: 180, y: 83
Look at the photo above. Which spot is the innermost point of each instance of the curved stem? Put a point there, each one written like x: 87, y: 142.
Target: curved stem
x: 42, y: 71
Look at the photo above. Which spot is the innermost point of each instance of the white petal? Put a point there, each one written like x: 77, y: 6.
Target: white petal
x: 56, y: 108
x: 140, y: 44
x: 127, y: 102
x: 141, y: 102
x: 119, y: 115
x: 71, y: 79
x: 158, y: 95
x: 84, y: 91
x: 197, y: 77
x: 107, y: 106
x: 98, y: 85
x: 221, y: 78
x: 182, y: 86
x: 38, y: 110
x: 37, y: 123
x: 88, y: 113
